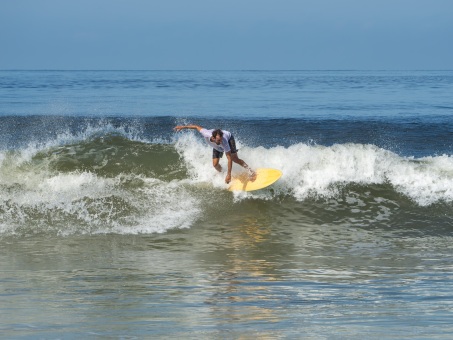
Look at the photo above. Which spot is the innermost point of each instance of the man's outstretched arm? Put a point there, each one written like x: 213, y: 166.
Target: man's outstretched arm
x: 195, y: 127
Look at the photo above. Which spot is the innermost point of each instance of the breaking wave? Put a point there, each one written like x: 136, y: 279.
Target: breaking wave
x: 107, y: 180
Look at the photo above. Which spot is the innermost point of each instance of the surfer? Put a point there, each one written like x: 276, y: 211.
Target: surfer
x: 222, y: 141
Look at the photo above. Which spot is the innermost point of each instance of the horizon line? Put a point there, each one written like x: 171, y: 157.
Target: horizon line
x: 218, y: 70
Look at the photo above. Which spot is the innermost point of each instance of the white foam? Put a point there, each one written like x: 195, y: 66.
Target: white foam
x: 31, y: 193
x: 426, y: 181
x: 197, y: 156
x: 319, y: 171
x: 166, y: 206
x: 82, y: 202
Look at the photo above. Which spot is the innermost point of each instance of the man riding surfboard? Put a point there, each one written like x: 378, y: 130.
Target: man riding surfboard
x: 222, y: 141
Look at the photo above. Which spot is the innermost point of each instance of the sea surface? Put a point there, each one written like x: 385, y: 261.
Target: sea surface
x: 112, y: 225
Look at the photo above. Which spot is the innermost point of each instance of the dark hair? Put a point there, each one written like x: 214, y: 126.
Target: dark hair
x: 217, y: 132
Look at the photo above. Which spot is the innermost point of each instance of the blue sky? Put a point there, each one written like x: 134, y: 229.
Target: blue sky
x: 225, y: 35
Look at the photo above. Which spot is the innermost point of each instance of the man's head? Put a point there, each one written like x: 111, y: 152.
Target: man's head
x: 217, y: 136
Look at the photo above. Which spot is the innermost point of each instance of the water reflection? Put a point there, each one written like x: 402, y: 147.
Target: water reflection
x: 245, y: 287
x: 265, y: 271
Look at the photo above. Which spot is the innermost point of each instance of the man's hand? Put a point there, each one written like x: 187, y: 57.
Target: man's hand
x: 228, y: 178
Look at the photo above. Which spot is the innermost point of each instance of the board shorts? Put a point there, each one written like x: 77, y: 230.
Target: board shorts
x: 231, y: 143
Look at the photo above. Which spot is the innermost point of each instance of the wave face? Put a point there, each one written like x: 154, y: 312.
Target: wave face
x: 101, y: 183
x: 109, y: 179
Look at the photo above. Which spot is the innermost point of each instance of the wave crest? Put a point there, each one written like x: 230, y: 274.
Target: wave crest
x: 110, y: 183
x: 322, y: 172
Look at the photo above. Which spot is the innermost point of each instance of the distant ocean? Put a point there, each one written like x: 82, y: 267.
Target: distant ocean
x: 113, y: 225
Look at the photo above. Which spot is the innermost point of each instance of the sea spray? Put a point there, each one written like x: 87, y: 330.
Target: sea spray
x: 321, y: 171
x: 105, y: 180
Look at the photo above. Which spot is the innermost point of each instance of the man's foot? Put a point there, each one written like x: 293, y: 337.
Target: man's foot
x: 252, y: 175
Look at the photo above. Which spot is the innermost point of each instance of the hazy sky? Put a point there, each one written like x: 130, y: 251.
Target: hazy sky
x: 230, y: 34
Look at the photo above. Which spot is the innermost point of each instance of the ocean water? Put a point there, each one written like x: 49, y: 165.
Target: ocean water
x: 114, y: 226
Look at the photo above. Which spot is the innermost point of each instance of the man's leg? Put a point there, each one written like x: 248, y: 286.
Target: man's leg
x: 216, y: 155
x: 215, y: 163
x: 234, y: 154
x: 236, y: 159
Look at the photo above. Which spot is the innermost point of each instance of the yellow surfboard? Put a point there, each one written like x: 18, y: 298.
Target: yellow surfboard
x: 264, y: 178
